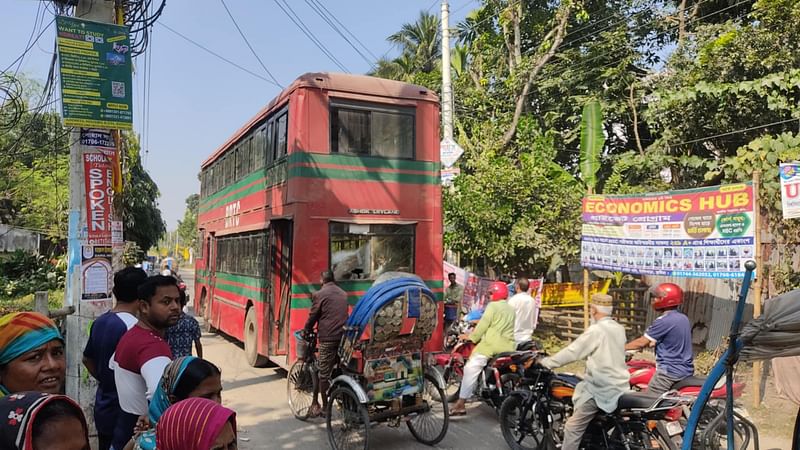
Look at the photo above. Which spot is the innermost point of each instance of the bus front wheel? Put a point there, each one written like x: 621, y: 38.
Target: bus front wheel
x: 251, y: 340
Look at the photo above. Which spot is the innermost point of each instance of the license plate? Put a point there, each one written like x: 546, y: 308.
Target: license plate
x: 674, y: 428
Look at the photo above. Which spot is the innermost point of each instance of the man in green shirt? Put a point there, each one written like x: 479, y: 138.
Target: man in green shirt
x: 494, y: 334
x: 453, y: 300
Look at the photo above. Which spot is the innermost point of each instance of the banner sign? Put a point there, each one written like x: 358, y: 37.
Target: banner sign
x: 97, y: 172
x: 790, y: 190
x: 103, y: 141
x: 96, y: 273
x: 95, y: 66
x: 703, y: 233
x: 570, y: 295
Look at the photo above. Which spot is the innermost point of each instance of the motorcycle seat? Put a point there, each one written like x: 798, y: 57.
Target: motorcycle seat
x: 689, y: 382
x: 637, y: 400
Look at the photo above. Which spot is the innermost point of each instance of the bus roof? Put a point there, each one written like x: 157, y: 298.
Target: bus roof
x: 357, y: 84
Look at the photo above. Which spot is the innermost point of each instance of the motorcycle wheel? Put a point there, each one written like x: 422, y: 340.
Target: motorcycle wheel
x: 522, y: 429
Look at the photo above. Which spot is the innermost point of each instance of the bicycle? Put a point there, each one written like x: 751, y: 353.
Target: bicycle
x: 303, y: 377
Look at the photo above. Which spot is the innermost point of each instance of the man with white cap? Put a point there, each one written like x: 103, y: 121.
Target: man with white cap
x: 603, y: 347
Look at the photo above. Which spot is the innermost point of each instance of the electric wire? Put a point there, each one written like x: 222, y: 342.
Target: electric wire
x: 246, y: 41
x: 333, y: 26
x: 309, y: 34
x: 347, y: 30
x: 217, y: 55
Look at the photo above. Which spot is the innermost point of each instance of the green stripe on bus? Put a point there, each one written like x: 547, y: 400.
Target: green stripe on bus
x: 347, y: 285
x: 269, y: 177
x: 238, y: 290
x: 255, y: 282
x: 305, y: 303
x: 369, y: 162
x: 344, y: 174
x: 258, y: 174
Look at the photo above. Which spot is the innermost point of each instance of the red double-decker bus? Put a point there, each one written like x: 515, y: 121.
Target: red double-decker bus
x: 338, y: 171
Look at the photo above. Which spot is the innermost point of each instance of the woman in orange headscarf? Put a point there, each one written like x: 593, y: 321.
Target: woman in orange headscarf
x: 31, y: 354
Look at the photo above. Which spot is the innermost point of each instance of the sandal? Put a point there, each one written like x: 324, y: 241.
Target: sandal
x: 458, y: 412
x: 315, y: 411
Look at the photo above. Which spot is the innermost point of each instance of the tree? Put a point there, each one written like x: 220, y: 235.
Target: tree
x: 420, y: 51
x: 141, y: 216
x: 420, y: 41
x: 187, y: 228
x: 34, y: 160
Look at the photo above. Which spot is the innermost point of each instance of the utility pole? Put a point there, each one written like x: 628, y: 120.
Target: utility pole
x: 447, y: 86
x: 79, y: 385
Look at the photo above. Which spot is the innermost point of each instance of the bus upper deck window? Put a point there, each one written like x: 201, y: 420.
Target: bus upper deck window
x: 372, y: 130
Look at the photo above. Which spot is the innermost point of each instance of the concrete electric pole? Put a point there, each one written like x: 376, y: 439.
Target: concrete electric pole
x: 447, y: 87
x: 81, y: 388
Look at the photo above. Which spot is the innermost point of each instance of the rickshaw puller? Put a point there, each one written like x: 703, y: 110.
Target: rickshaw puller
x: 329, y: 313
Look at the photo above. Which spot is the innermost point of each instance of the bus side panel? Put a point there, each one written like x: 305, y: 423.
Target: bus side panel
x: 228, y: 312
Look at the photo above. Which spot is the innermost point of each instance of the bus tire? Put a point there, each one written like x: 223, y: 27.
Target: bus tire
x: 251, y: 340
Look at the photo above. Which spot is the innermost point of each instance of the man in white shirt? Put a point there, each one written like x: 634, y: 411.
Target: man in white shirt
x: 527, y: 312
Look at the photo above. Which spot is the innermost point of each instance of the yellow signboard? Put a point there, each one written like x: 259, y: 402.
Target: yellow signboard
x: 570, y: 295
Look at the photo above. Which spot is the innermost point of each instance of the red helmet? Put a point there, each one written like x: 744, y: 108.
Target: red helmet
x: 498, y: 291
x: 667, y: 295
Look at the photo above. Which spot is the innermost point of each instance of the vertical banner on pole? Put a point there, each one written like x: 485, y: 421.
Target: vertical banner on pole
x: 99, y: 193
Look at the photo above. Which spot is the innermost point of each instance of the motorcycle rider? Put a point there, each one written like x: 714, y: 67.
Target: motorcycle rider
x: 494, y: 334
x: 602, y: 344
x: 671, y: 333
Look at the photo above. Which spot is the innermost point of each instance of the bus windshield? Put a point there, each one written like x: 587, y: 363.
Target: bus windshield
x: 362, y: 252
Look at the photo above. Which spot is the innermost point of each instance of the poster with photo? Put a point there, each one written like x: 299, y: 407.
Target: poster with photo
x: 703, y: 233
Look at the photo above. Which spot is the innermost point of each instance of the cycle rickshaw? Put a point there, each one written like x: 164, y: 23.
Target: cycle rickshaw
x: 382, y: 376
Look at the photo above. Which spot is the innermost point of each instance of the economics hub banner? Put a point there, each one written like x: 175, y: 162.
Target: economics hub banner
x: 702, y: 233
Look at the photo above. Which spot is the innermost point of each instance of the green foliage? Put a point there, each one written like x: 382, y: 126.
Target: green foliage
x: 141, y: 217
x: 420, y: 52
x: 34, y: 161
x: 132, y: 254
x: 592, y: 141
x: 26, y: 302
x: 25, y: 273
x: 519, y: 213
x: 187, y: 228
x: 764, y: 154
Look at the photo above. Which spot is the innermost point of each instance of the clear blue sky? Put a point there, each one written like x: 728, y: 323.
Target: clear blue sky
x: 197, y: 101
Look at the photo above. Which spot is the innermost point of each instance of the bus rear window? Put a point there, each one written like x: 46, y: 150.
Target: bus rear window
x: 362, y: 252
x: 372, y: 130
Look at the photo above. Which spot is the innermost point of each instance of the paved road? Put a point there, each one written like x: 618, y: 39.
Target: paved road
x: 259, y: 398
x: 264, y: 420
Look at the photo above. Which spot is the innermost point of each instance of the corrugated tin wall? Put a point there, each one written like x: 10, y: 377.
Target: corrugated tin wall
x: 710, y: 305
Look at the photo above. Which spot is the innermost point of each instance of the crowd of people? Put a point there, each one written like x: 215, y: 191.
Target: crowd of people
x: 152, y: 393
x: 508, y: 322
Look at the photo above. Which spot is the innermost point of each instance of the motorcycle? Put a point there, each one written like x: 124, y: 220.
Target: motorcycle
x: 534, y: 417
x: 497, y: 379
x: 712, y: 425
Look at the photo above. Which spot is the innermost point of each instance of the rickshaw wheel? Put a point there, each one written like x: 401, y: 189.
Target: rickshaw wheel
x: 430, y: 427
x: 347, y: 420
x: 453, y: 384
x: 301, y: 383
